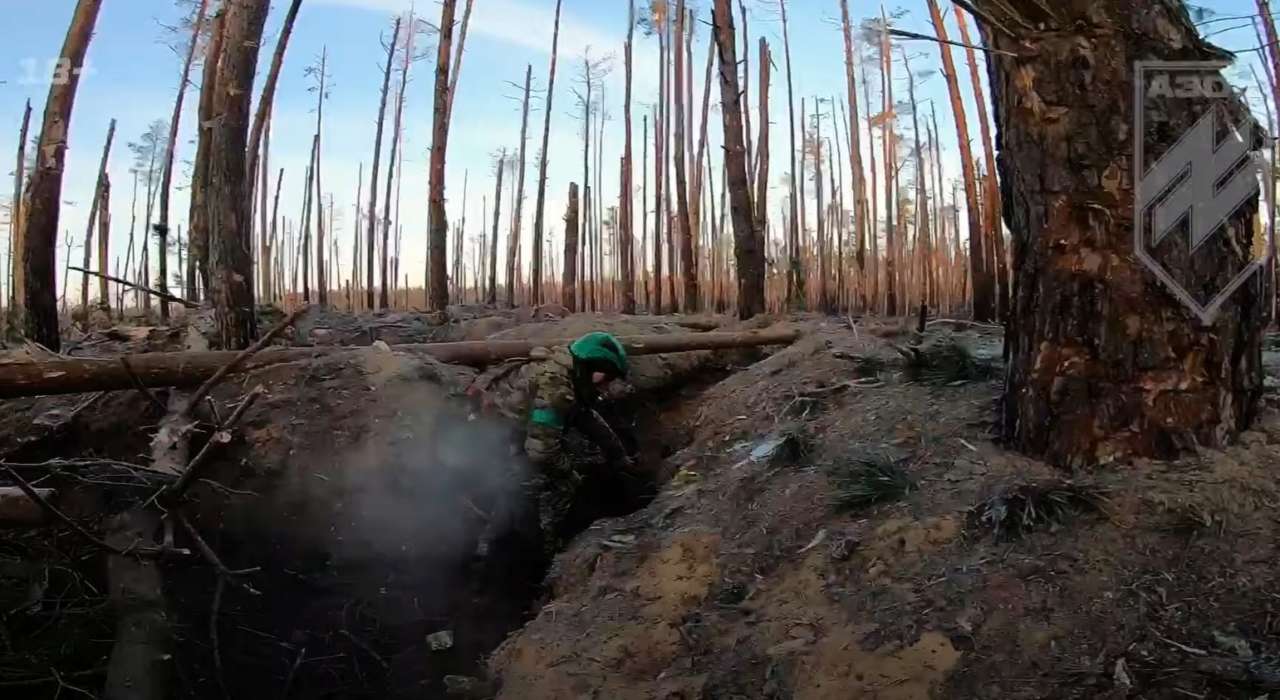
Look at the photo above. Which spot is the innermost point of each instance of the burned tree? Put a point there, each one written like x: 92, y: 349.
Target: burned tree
x: 230, y: 223
x: 269, y: 89
x: 371, y: 230
x: 1105, y: 362
x: 746, y: 245
x: 93, y: 214
x: 44, y: 191
x: 438, y: 225
x: 540, y: 203
x: 626, y: 233
x: 689, y: 269
x: 513, y: 242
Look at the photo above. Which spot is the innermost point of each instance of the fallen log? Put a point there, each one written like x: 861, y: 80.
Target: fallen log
x: 72, y: 375
x: 17, y: 508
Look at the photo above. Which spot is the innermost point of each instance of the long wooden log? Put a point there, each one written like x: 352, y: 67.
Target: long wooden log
x: 162, y: 369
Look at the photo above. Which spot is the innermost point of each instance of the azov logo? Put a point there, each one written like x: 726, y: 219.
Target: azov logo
x: 1188, y: 86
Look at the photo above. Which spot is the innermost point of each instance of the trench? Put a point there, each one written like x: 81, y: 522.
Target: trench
x: 358, y: 627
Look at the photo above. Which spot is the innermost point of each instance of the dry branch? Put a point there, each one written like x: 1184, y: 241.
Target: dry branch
x: 147, y: 290
x: 241, y: 357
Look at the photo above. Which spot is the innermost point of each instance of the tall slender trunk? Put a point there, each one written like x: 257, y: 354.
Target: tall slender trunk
x: 873, y: 233
x: 824, y: 272
x: 371, y: 228
x: 93, y: 214
x: 388, y: 281
x: 513, y: 242
x: 762, y: 150
x: 747, y: 252
x: 309, y: 205
x: 922, y: 197
x: 795, y: 278
x: 438, y: 224
x: 540, y: 203
x: 644, y: 208
x: 856, y: 173
x: 891, y: 245
x: 688, y: 269
x: 198, y: 219
x: 991, y: 183
x: 267, y: 99
x: 104, y: 243
x: 17, y: 215
x: 983, y: 292
x: 569, y: 276
x: 269, y: 270
x: 230, y: 226
x: 322, y: 284
x: 493, y: 243
x: 44, y: 192
x: 746, y: 94
x: 264, y: 243
x: 625, y: 231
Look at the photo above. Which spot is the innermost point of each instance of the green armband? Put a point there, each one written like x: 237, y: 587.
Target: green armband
x: 546, y: 416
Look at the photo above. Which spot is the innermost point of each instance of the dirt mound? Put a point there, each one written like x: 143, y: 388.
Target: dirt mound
x: 744, y: 578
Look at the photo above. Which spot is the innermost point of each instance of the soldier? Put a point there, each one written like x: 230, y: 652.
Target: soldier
x: 560, y: 389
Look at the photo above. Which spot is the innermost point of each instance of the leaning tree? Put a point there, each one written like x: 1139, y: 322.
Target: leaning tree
x: 1106, y: 362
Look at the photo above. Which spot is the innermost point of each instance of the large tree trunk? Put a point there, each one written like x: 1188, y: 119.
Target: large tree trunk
x: 983, y: 282
x: 568, y: 280
x: 991, y: 183
x: 689, y: 270
x: 93, y: 214
x: 746, y: 245
x: 1106, y: 363
x: 513, y: 241
x: 267, y: 99
x: 438, y: 225
x: 371, y: 229
x: 44, y: 192
x: 230, y: 223
x: 540, y: 203
x: 75, y: 375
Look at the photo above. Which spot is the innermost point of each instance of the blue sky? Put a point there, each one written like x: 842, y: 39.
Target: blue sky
x: 134, y: 76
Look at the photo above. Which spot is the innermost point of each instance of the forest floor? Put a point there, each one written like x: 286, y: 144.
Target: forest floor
x: 823, y: 521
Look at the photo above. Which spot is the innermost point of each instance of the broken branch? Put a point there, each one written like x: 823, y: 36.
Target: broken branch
x: 147, y: 290
x: 241, y: 357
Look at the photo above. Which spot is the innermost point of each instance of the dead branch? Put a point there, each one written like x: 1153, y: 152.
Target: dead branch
x: 194, y: 469
x: 902, y: 33
x: 146, y: 290
x: 212, y: 557
x: 241, y: 357
x: 58, y: 515
x: 142, y: 389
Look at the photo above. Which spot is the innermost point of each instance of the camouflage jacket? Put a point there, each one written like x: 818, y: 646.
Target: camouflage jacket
x: 540, y: 395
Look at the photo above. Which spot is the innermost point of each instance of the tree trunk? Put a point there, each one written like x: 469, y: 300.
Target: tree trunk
x: 568, y: 282
x: 855, y: 149
x: 492, y: 297
x: 659, y: 169
x: 626, y: 234
x: 371, y: 228
x: 44, y: 192
x: 762, y: 149
x: 1105, y: 363
x: 540, y: 203
x: 644, y: 207
x: 983, y: 283
x: 991, y: 183
x: 873, y: 275
x: 688, y: 269
x: 230, y: 225
x: 308, y: 207
x: 104, y: 235
x: 388, y: 280
x: 269, y: 88
x: 513, y: 241
x: 322, y: 284
x: 93, y: 214
x: 198, y: 221
x: 438, y: 225
x: 795, y: 280
x: 824, y: 303
x: 922, y: 203
x: 890, y: 169
x: 747, y: 251
x: 17, y: 213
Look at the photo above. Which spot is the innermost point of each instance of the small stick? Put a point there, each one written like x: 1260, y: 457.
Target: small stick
x: 194, y: 468
x: 363, y: 646
x: 153, y: 292
x: 59, y: 515
x: 142, y: 388
x: 212, y: 557
x: 288, y: 683
x: 213, y: 634
x: 240, y: 359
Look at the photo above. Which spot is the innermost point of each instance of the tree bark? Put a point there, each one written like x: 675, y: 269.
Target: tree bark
x: 198, y: 219
x: 568, y: 280
x: 762, y: 150
x: 539, y: 209
x: 983, y: 283
x: 689, y: 271
x: 16, y: 215
x: 44, y: 192
x: 991, y: 183
x: 513, y: 241
x: 267, y: 99
x: 855, y: 150
x: 438, y: 225
x: 104, y: 236
x: 371, y: 229
x: 626, y: 232
x: 492, y: 297
x: 890, y: 169
x: 93, y: 214
x: 922, y: 198
x: 322, y: 284
x: 1105, y: 363
x: 74, y: 375
x: 795, y: 279
x: 230, y: 224
x: 747, y: 251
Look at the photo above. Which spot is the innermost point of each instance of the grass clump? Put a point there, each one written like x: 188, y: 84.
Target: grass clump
x: 1016, y: 510
x: 867, y: 481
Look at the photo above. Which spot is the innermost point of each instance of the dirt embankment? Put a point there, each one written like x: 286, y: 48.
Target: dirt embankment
x: 745, y: 579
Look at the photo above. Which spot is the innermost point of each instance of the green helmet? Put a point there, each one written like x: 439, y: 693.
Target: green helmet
x: 600, y: 352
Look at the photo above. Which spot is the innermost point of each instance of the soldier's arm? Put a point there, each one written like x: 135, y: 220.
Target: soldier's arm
x: 602, y: 434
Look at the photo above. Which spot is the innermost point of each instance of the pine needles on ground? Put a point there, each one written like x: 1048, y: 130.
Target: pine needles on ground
x: 947, y: 360
x: 867, y: 481
x: 1022, y: 508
